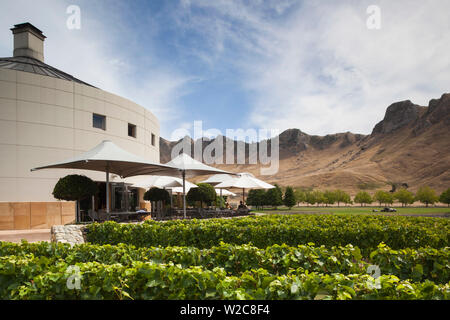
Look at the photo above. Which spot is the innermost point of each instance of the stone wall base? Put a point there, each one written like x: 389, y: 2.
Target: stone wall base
x: 72, y: 234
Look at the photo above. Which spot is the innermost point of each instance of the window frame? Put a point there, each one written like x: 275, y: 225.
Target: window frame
x: 133, y: 130
x: 103, y: 117
x: 153, y: 139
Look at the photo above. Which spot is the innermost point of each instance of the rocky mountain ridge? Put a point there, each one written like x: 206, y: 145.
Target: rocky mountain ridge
x: 410, y: 145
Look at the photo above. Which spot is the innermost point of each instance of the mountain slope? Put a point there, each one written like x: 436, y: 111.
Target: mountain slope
x: 410, y: 145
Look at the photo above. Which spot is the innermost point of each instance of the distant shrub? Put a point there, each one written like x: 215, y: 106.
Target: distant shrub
x: 367, y: 185
x: 274, y: 196
x: 363, y: 198
x: 257, y: 198
x: 289, y: 197
x: 404, y: 196
x: 427, y: 195
x: 445, y: 197
x: 383, y: 197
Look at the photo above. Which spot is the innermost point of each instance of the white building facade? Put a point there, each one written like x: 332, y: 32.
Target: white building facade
x: 47, y: 116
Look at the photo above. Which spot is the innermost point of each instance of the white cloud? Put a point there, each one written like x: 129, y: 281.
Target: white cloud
x: 308, y: 65
x: 321, y: 70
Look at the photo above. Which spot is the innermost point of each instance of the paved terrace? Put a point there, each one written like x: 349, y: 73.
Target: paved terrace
x: 33, y: 235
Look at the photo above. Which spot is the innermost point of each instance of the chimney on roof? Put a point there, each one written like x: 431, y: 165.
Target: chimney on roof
x: 28, y: 41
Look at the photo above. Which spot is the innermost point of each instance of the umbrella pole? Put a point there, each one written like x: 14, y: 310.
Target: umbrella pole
x: 93, y: 207
x: 243, y: 195
x: 184, y: 194
x: 171, y: 200
x: 107, y: 188
x: 127, y: 207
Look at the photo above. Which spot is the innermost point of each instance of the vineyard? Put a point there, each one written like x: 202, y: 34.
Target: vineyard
x: 269, y: 257
x: 365, y: 232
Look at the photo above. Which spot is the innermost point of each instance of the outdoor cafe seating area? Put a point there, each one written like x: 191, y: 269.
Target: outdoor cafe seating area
x: 119, y: 200
x: 197, y: 213
x: 162, y: 215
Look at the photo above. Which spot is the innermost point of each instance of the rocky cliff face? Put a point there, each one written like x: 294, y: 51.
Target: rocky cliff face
x: 438, y: 111
x: 410, y: 145
x: 293, y: 141
x: 398, y: 115
x: 165, y: 149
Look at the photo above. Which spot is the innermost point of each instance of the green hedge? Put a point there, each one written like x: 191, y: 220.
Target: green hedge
x: 407, y: 264
x: 365, y: 232
x: 37, y: 278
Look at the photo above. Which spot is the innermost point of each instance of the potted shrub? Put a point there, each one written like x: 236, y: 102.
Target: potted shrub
x: 157, y: 195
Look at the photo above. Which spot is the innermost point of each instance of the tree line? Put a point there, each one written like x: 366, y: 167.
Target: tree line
x: 425, y: 195
x: 275, y: 197
x: 78, y: 187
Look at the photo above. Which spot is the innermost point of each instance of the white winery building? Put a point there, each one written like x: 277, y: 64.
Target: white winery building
x: 46, y: 116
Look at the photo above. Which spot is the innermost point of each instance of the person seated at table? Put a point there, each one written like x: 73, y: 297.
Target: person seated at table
x: 242, y: 206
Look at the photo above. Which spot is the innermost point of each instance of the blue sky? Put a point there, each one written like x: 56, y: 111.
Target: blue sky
x: 312, y: 65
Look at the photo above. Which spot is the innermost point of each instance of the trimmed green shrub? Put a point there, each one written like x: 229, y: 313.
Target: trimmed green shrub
x: 74, y: 187
x: 157, y: 194
x: 204, y: 193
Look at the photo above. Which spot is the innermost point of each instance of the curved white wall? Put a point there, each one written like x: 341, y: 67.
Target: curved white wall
x: 45, y: 119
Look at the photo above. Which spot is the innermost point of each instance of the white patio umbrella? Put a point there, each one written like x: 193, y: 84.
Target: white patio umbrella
x: 108, y: 157
x: 218, y: 178
x: 244, y: 181
x: 224, y: 192
x: 180, y: 189
x: 188, y: 166
x: 161, y: 182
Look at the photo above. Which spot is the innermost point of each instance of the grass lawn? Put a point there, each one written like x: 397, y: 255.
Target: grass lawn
x: 357, y: 210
